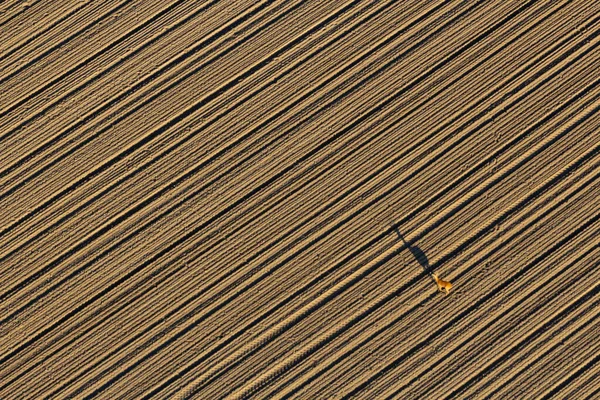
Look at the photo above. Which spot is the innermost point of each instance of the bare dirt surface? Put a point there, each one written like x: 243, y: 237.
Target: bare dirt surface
x: 248, y: 199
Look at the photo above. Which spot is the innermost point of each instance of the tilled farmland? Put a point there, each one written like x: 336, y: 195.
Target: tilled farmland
x: 253, y: 199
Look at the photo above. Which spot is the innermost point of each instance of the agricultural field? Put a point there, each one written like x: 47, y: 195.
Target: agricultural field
x: 254, y: 199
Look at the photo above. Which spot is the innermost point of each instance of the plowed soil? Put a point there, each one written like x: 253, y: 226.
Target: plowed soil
x: 249, y: 199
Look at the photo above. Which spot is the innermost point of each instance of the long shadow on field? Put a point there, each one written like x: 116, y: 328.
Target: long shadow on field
x: 417, y: 253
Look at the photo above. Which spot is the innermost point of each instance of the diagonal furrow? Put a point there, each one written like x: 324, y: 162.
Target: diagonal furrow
x: 13, y: 73
x: 31, y: 37
x: 15, y: 9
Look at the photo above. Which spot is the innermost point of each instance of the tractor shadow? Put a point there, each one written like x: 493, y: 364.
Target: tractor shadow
x: 418, y: 254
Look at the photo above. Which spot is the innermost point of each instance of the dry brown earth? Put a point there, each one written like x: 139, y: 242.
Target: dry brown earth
x: 244, y: 199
